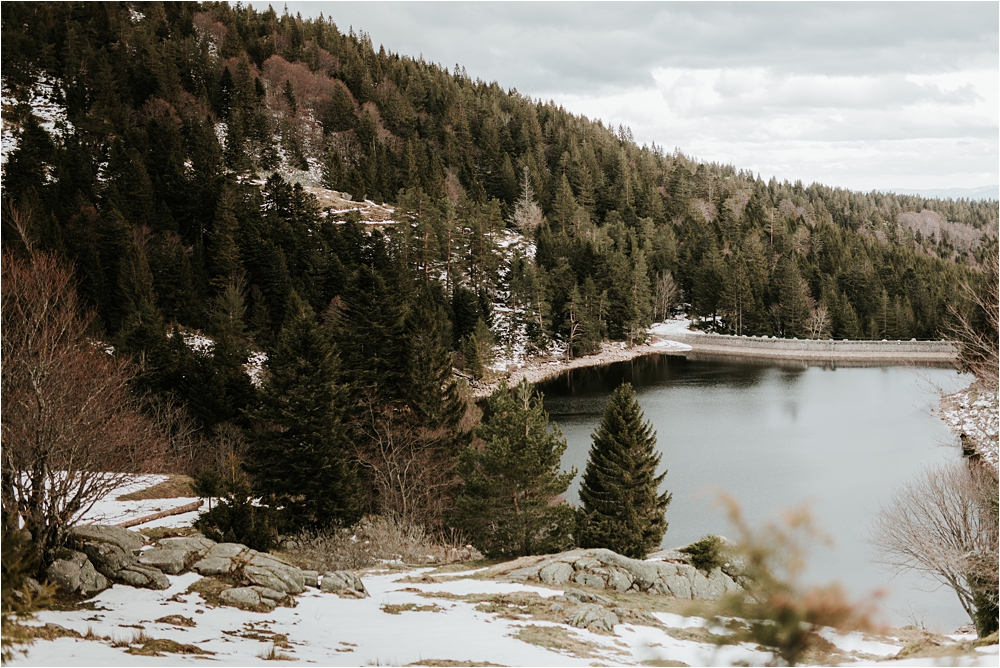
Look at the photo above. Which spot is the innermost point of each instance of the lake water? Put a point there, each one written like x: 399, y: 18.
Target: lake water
x: 775, y: 436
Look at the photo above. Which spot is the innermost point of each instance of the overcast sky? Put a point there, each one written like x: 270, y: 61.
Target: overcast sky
x: 861, y: 95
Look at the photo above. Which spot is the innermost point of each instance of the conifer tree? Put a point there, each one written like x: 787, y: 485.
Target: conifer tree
x: 298, y: 457
x: 512, y: 479
x: 431, y: 391
x: 623, y: 509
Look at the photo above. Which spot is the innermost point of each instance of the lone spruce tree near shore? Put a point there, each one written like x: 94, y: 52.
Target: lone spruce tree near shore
x: 513, y: 479
x: 622, y: 507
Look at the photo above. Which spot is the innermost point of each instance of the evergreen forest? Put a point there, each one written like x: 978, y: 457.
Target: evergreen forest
x: 180, y: 158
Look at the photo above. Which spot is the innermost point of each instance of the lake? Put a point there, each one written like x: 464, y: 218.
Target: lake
x: 775, y: 436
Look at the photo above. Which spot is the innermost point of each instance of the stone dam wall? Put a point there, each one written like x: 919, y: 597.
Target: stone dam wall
x: 845, y: 349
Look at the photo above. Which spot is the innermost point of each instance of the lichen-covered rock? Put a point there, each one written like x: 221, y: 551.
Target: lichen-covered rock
x: 120, y: 566
x: 556, y: 573
x: 311, y: 578
x: 228, y: 550
x: 76, y: 575
x: 193, y: 546
x: 213, y: 566
x: 252, y: 598
x: 604, y: 569
x: 594, y: 617
x: 166, y: 560
x: 343, y: 583
x: 129, y: 541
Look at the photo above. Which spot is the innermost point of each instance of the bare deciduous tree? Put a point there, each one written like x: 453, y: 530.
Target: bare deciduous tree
x: 527, y: 214
x: 665, y: 296
x: 976, y: 328
x: 943, y: 525
x: 72, y: 429
x: 819, y: 322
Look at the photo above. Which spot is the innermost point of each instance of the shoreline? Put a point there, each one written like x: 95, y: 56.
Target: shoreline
x: 539, y: 369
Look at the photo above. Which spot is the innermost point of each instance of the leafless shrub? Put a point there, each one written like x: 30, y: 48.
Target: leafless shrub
x: 943, y: 524
x: 72, y: 429
x: 376, y: 539
x: 976, y: 327
x: 413, y: 477
x: 818, y: 325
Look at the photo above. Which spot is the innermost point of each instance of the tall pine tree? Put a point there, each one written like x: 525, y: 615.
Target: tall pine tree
x: 623, y: 509
x: 298, y: 458
x: 513, y: 477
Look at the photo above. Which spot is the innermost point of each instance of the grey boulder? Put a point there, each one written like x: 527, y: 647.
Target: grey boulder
x: 594, y: 617
x: 252, y: 567
x: 77, y: 575
x: 165, y: 560
x: 130, y: 541
x: 252, y: 598
x: 343, y: 583
x: 120, y: 566
x: 670, y: 574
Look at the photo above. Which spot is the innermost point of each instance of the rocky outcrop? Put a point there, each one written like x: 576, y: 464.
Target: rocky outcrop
x: 112, y: 552
x: 121, y: 566
x: 175, y: 555
x: 129, y: 541
x: 344, y: 584
x: 251, y: 567
x: 76, y: 575
x: 262, y: 581
x: 604, y: 569
x: 256, y: 598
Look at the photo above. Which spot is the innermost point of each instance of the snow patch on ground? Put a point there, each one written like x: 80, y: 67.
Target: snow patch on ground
x: 975, y: 412
x: 679, y: 325
x: 111, y: 510
x: 404, y: 620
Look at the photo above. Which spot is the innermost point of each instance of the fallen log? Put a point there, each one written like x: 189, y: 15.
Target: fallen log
x: 179, y: 510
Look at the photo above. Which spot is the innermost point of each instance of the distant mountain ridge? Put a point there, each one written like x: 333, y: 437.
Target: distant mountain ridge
x: 980, y: 193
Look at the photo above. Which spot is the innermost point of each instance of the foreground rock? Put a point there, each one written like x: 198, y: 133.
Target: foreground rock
x: 175, y: 555
x: 256, y: 580
x: 76, y: 575
x: 112, y: 552
x: 344, y: 584
x: 253, y: 568
x: 261, y: 599
x: 604, y: 569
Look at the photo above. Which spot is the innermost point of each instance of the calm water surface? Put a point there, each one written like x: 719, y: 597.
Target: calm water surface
x: 776, y: 437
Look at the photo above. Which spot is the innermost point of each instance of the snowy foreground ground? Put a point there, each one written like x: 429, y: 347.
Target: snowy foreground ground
x: 413, y: 615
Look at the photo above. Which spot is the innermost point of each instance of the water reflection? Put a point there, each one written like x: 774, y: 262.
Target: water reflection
x: 775, y: 436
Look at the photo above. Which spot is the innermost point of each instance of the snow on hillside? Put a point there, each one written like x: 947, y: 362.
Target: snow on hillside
x: 508, y: 327
x: 43, y: 98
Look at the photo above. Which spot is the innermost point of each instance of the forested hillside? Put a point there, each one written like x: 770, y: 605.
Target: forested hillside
x: 172, y: 154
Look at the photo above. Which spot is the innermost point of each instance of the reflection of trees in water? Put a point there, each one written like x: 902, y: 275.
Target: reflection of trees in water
x: 656, y: 369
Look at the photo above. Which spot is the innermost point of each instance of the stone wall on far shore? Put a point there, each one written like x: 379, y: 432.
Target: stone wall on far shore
x: 815, y: 348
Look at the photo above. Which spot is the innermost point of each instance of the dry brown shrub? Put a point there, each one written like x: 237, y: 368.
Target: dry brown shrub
x: 976, y: 326
x: 375, y: 540
x: 776, y: 610
x: 412, y: 473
